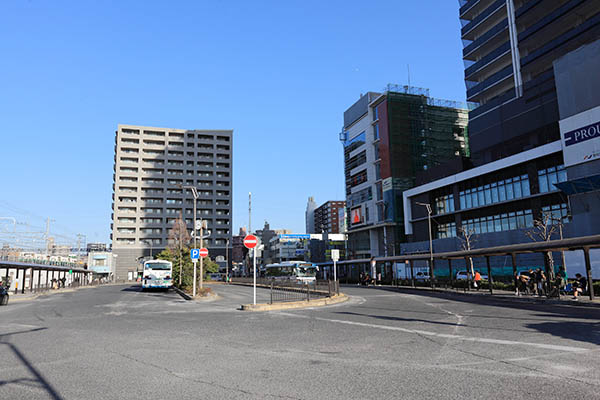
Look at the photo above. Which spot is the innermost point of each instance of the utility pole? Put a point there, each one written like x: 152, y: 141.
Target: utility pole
x: 250, y: 222
x: 79, y: 236
x: 249, y: 213
x: 202, y: 227
x: 182, y: 225
x: 48, y: 220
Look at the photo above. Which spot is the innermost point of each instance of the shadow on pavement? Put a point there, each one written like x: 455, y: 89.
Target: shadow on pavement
x: 546, y: 309
x: 582, y: 322
x: 39, y: 378
x: 135, y: 288
x: 389, y: 318
x: 150, y: 292
x: 581, y: 331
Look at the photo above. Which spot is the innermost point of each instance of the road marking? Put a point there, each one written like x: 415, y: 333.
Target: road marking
x: 448, y: 336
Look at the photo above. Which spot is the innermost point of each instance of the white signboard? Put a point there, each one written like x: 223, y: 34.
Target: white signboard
x: 580, y: 136
x: 335, y: 255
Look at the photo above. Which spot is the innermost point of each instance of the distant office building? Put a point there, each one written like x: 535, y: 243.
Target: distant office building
x: 101, y: 263
x: 327, y: 217
x: 152, y: 166
x: 532, y: 68
x: 387, y: 138
x: 94, y: 247
x: 264, y: 235
x: 238, y: 251
x: 310, y: 215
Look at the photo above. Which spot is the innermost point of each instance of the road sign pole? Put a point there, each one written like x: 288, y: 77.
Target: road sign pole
x: 250, y: 242
x: 334, y: 271
x: 194, y: 285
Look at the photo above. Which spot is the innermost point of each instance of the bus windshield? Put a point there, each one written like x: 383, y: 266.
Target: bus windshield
x: 306, y: 270
x: 158, y: 266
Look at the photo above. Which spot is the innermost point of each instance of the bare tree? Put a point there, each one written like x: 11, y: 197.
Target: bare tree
x: 178, y: 239
x: 542, y: 230
x: 467, y: 238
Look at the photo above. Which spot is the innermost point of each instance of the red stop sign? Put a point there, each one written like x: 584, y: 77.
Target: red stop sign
x: 250, y: 241
x: 203, y: 252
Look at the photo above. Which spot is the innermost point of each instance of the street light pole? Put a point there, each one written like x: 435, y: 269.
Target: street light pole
x: 195, y: 194
x: 430, y: 240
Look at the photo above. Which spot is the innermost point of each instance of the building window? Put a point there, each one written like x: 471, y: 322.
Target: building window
x: 549, y: 176
x: 358, y: 178
x: 444, y: 204
x: 376, y: 131
x: 495, y: 192
x: 446, y: 230
x: 558, y: 212
x: 354, y: 143
x: 360, y: 197
x: 500, y: 222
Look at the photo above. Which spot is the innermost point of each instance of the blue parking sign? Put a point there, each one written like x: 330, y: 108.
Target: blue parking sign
x: 194, y: 254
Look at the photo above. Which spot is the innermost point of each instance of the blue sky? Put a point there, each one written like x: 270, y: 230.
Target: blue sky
x: 280, y: 73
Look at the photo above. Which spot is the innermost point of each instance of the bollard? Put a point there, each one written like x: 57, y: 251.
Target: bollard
x: 271, y: 292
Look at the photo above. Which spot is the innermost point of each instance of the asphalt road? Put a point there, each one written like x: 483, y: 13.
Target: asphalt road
x: 116, y: 342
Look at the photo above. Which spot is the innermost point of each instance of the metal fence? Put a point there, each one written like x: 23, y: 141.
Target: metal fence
x: 284, y: 291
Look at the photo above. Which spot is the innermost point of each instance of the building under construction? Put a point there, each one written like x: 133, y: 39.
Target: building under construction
x: 390, y: 138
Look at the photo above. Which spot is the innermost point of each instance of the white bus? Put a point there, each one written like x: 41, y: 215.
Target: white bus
x: 298, y: 271
x: 157, y: 274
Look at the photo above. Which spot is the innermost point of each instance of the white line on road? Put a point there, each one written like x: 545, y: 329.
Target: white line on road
x: 448, y: 336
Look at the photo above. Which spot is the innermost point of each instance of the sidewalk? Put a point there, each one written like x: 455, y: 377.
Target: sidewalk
x: 33, y: 295
x: 498, y: 294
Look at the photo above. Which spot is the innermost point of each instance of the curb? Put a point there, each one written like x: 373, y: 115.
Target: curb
x: 506, y: 298
x: 34, y: 296
x: 295, y: 304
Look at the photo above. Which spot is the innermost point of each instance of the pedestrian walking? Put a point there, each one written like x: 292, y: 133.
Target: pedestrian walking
x: 477, y: 280
x: 540, y: 280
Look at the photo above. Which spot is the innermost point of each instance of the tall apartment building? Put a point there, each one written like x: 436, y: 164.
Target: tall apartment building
x: 152, y: 165
x: 532, y: 68
x: 309, y: 215
x: 329, y: 217
x: 387, y: 138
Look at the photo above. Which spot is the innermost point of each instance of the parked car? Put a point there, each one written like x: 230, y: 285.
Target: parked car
x: 422, y: 276
x: 462, y: 276
x: 3, y: 296
x: 218, y: 277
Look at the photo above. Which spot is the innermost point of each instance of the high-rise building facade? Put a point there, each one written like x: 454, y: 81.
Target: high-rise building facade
x: 152, y: 167
x: 309, y: 215
x: 532, y: 68
x: 387, y: 138
x: 509, y: 50
x: 327, y: 217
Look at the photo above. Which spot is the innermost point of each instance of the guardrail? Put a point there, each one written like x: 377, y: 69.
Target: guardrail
x: 284, y: 291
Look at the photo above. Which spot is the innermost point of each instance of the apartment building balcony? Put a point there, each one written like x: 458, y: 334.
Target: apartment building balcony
x: 541, y: 58
x: 485, y: 43
x: 497, y: 84
x: 480, y: 24
x: 493, y: 62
